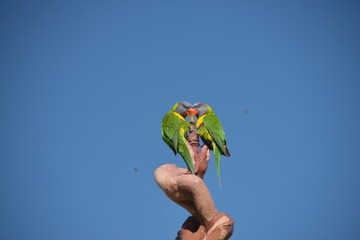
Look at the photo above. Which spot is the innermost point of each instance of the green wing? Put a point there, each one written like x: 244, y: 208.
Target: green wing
x: 213, y: 125
x: 170, y: 131
x: 213, y: 132
x: 208, y: 139
x: 173, y: 131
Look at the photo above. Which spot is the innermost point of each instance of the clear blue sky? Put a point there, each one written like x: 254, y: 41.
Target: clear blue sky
x: 84, y: 86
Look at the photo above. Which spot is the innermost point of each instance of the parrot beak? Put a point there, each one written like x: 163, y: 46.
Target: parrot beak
x: 192, y: 111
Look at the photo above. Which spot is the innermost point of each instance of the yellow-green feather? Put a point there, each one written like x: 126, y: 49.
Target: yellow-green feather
x: 210, y: 129
x: 173, y: 129
x: 217, y: 160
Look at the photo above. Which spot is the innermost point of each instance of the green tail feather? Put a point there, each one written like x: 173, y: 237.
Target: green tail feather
x: 185, y: 153
x: 217, y: 154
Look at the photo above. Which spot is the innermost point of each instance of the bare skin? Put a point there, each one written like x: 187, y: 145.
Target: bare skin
x: 190, y: 192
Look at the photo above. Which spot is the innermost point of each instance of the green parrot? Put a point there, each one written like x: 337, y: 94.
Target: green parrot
x: 209, y: 128
x: 173, y: 130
